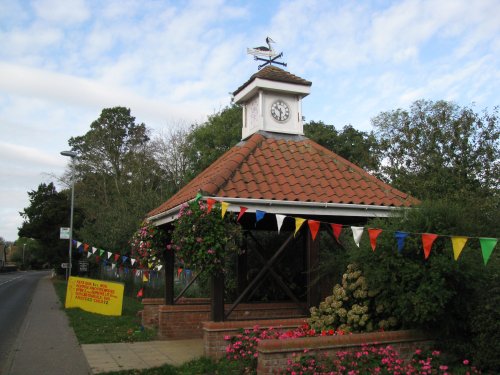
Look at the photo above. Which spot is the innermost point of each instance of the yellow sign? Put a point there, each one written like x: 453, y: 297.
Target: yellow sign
x: 97, y: 296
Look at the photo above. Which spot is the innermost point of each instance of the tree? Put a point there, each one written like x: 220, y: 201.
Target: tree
x: 47, y: 213
x: 208, y: 141
x: 438, y: 149
x: 118, y: 180
x: 359, y: 147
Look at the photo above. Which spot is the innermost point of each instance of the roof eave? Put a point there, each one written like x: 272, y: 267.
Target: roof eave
x: 260, y: 83
x: 294, y: 208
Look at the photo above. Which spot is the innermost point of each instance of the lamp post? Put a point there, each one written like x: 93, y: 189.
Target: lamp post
x: 72, y: 155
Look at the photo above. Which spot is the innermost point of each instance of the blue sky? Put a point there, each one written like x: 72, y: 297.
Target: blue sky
x: 173, y: 63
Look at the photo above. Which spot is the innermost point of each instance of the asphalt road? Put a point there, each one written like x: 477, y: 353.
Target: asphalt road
x: 16, y: 293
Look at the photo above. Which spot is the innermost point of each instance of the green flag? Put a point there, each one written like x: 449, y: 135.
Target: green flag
x: 487, y: 246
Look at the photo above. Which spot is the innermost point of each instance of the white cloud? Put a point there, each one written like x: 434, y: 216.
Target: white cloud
x: 66, y: 12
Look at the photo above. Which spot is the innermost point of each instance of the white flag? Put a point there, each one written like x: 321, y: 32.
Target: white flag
x: 279, y: 221
x: 357, y: 232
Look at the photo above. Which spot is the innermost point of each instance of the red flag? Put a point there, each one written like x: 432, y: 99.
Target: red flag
x: 210, y: 204
x: 97, y: 258
x: 140, y: 293
x: 179, y: 271
x: 337, y: 228
x: 85, y: 247
x: 373, y: 234
x: 427, y: 240
x: 117, y: 256
x: 242, y: 211
x: 313, y: 227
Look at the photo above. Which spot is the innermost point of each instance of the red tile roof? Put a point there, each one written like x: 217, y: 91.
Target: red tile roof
x: 268, y: 167
x: 273, y: 73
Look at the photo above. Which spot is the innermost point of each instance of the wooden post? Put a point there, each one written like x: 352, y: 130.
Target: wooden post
x: 217, y: 297
x: 169, y: 277
x: 242, y: 267
x: 312, y: 254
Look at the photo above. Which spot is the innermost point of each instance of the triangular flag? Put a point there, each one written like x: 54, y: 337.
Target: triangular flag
x: 109, y: 254
x: 113, y: 265
x: 400, y: 237
x: 132, y: 260
x: 224, y: 205
x: 337, y: 229
x: 198, y: 197
x: 89, y: 254
x: 86, y: 247
x: 242, y: 211
x: 159, y: 267
x: 357, y: 232
x: 145, y: 276
x: 140, y: 293
x: 487, y: 246
x: 124, y: 258
x: 117, y: 256
x: 94, y: 249
x: 298, y: 223
x: 279, y: 221
x: 80, y: 249
x: 427, y: 241
x: 458, y: 244
x: 313, y: 227
x: 210, y: 204
x: 78, y: 244
x: 75, y: 242
x: 259, y: 215
x: 179, y: 272
x: 373, y: 234
x: 101, y: 252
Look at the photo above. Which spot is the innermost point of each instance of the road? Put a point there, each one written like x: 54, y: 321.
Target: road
x: 16, y: 293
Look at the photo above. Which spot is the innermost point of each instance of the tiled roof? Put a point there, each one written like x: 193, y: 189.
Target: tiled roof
x: 273, y: 73
x: 272, y: 168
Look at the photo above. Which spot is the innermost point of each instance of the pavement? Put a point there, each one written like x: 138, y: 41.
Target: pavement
x: 46, y: 344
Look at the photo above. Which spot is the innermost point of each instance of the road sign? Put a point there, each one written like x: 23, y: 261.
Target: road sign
x: 64, y: 233
x: 65, y: 265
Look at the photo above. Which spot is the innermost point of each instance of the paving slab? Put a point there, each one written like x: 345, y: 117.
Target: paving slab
x: 129, y: 356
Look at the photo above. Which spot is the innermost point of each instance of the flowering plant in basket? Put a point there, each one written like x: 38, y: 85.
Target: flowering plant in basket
x: 147, y: 244
x: 203, y: 240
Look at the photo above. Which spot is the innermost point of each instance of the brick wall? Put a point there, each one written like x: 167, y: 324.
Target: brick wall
x: 184, y: 320
x: 149, y: 315
x: 214, y: 332
x: 274, y: 354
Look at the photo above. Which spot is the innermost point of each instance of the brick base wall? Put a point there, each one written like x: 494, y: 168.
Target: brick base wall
x: 214, y: 332
x: 274, y: 354
x: 149, y: 315
x: 184, y: 320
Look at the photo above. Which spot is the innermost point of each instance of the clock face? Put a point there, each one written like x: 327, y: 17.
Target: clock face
x: 280, y: 110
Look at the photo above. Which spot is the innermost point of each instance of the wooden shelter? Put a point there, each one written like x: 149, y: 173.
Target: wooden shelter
x: 276, y: 170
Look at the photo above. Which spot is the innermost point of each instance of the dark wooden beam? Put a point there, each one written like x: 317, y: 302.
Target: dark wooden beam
x: 169, y: 258
x: 217, y: 298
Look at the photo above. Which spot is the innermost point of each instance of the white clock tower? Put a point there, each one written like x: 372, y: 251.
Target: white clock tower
x: 272, y: 101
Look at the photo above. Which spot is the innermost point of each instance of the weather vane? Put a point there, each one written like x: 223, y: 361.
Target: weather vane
x: 266, y: 54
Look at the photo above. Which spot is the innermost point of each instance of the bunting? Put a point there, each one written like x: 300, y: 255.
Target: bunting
x: 117, y: 256
x: 400, y: 238
x: 259, y: 215
x: 279, y: 221
x: 357, y: 232
x: 224, y: 206
x: 242, y: 211
x: 313, y: 227
x: 140, y: 293
x: 373, y: 233
x: 427, y: 241
x: 298, y: 223
x: 109, y: 254
x: 487, y: 246
x: 210, y: 204
x: 458, y: 244
x: 337, y: 229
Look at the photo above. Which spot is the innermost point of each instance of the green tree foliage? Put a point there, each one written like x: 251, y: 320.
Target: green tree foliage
x: 359, y: 147
x: 438, y: 149
x: 118, y: 181
x: 48, y: 211
x: 438, y: 294
x: 208, y: 141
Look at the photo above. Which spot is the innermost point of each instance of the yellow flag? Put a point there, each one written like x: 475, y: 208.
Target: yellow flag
x: 224, y: 206
x: 458, y: 244
x: 298, y: 223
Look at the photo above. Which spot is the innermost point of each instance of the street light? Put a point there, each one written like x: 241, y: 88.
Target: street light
x: 72, y: 155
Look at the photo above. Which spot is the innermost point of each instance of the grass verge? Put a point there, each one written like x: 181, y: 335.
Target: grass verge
x: 93, y: 328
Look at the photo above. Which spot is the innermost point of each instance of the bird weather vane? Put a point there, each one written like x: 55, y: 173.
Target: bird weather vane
x: 266, y: 54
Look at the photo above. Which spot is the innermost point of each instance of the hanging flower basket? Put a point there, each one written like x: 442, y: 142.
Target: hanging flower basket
x: 148, y: 244
x: 204, y: 240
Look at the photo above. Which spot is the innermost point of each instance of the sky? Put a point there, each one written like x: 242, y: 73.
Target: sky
x: 173, y: 63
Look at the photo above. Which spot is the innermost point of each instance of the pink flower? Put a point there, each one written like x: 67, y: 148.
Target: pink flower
x: 465, y: 362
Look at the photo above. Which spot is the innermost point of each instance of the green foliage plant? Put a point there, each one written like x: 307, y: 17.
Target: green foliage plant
x: 350, y: 308
x: 204, y: 241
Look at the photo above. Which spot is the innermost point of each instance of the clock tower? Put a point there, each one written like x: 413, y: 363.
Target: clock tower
x: 272, y: 101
